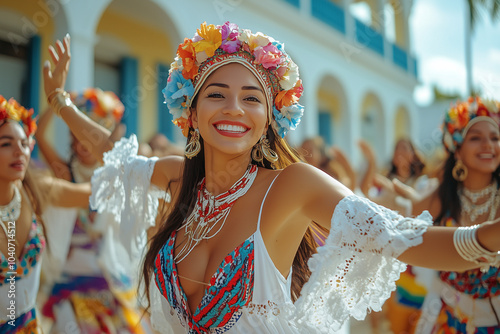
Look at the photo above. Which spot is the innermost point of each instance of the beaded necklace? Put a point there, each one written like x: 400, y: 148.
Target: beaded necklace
x: 209, y: 210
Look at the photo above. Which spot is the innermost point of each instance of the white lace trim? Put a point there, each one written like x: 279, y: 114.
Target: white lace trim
x: 355, y: 271
x: 122, y: 188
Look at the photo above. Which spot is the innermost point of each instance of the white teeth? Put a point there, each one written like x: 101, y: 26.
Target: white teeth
x: 486, y: 156
x: 230, y: 128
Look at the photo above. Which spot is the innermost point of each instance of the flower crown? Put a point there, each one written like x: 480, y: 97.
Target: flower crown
x: 12, y: 110
x: 104, y: 107
x: 462, y: 115
x: 214, y: 46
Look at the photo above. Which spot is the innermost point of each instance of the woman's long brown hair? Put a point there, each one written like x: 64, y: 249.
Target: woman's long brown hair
x: 193, y: 173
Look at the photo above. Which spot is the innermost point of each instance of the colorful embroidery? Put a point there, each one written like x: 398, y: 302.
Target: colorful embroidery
x: 231, y: 288
x: 24, y: 324
x: 449, y: 323
x: 30, y: 255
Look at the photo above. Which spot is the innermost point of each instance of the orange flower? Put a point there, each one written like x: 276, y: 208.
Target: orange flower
x: 182, y: 123
x: 288, y: 97
x: 188, y: 55
x: 211, y: 39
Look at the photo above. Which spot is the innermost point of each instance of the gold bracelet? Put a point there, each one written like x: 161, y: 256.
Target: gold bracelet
x: 59, y: 100
x: 51, y: 95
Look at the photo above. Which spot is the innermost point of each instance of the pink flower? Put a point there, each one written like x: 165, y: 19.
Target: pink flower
x: 230, y: 41
x: 268, y: 56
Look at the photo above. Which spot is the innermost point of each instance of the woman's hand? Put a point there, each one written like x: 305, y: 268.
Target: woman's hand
x: 61, y: 56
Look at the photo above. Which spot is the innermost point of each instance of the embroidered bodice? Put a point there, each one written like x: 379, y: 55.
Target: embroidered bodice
x: 25, y: 273
x: 30, y: 255
x: 231, y: 287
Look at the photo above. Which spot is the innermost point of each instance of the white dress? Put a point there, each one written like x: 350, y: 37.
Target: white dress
x: 353, y: 273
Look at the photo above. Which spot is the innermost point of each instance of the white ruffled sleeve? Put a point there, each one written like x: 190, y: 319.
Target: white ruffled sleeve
x: 122, y: 187
x: 355, y: 271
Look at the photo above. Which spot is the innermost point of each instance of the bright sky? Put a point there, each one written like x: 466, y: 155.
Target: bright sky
x: 437, y: 39
x: 437, y: 34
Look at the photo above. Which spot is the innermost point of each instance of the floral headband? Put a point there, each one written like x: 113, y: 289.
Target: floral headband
x: 461, y: 116
x: 12, y: 110
x: 104, y: 107
x: 215, y: 46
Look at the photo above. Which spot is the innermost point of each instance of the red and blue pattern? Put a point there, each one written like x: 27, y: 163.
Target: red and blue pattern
x: 231, y: 288
x: 30, y: 255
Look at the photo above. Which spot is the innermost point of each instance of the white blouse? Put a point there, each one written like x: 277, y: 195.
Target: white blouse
x: 352, y: 274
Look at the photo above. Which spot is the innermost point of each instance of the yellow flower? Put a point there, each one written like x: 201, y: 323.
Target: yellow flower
x: 211, y: 39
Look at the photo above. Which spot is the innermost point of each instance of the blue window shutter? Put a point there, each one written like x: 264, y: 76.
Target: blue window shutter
x: 129, y: 93
x: 165, y: 125
x: 32, y: 97
x: 325, y: 129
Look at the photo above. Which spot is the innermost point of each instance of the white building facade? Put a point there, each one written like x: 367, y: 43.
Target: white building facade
x: 357, y: 82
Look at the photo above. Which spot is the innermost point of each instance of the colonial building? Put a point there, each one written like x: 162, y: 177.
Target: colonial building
x: 358, y: 76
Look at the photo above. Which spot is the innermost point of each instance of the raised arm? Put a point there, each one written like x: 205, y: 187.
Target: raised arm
x: 340, y: 157
x: 58, y: 166
x: 367, y: 179
x: 94, y: 137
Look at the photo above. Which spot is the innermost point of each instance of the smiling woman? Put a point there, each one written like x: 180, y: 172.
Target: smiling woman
x: 22, y: 237
x: 235, y: 252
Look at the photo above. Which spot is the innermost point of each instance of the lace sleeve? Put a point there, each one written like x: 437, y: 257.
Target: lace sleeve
x: 122, y: 187
x: 355, y: 271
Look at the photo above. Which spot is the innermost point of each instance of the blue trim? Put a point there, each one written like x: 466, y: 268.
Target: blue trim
x: 325, y: 126
x: 369, y: 37
x: 129, y: 93
x: 400, y: 57
x: 415, y: 66
x: 330, y: 13
x: 295, y: 3
x: 32, y: 96
x: 165, y: 125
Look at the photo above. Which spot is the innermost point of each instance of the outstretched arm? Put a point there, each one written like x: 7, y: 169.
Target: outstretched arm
x: 325, y: 201
x: 94, y: 137
x: 65, y: 194
x: 54, y: 161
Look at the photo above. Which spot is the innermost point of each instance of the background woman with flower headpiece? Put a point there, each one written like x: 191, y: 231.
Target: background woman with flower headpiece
x: 402, y: 310
x: 231, y: 255
x: 85, y: 290
x: 467, y: 301
x: 22, y: 229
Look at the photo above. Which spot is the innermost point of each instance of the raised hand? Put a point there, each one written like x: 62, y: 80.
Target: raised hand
x: 61, y: 56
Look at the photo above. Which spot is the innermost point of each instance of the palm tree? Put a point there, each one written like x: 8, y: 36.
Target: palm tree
x: 472, y: 13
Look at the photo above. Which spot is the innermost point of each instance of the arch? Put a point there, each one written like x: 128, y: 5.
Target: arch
x: 402, y: 128
x: 135, y: 41
x: 333, y: 116
x: 373, y: 123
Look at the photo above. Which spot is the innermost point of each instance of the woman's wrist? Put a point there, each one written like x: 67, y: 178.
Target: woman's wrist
x: 488, y: 236
x: 59, y: 99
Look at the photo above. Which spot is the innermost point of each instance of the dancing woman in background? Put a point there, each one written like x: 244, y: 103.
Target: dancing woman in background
x: 22, y: 239
x: 467, y: 301
x: 232, y: 254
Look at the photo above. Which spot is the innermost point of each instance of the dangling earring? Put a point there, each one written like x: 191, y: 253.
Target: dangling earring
x: 263, y: 150
x: 193, y: 147
x: 459, y: 171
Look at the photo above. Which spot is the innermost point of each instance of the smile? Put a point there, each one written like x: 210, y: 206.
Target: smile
x: 231, y: 128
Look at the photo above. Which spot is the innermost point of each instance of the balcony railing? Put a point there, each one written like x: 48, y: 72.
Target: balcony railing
x: 400, y: 57
x: 295, y: 3
x: 329, y: 13
x: 369, y: 37
x: 334, y: 15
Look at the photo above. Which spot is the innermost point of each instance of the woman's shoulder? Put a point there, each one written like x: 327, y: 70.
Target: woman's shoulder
x: 166, y: 170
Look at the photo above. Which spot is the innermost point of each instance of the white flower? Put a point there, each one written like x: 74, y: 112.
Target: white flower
x: 290, y: 77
